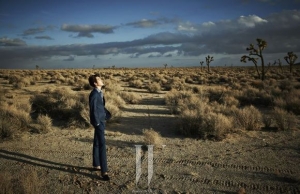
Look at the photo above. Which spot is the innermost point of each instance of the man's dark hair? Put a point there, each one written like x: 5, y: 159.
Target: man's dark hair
x: 92, y: 79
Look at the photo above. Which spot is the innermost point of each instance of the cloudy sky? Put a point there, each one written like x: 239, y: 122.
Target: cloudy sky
x: 143, y: 33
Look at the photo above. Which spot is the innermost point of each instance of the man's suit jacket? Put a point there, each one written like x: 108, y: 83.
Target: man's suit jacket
x: 97, y: 103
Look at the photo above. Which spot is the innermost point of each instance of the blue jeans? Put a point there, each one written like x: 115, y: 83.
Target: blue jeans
x: 99, y: 148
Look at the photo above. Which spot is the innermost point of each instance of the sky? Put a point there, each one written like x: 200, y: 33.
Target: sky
x: 142, y: 33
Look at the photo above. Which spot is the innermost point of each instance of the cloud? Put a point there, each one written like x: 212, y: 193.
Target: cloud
x: 88, y: 30
x: 144, y: 23
x: 70, y: 58
x: 227, y: 37
x: 251, y: 21
x: 32, y: 31
x: 11, y: 42
x: 43, y: 37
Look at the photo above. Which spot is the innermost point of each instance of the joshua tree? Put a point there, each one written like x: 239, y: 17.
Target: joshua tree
x: 208, y: 60
x: 165, y: 65
x: 256, y: 52
x: 201, y: 63
x: 37, y: 67
x: 290, y: 59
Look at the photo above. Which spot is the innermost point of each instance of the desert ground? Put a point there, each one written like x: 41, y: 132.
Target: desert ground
x: 59, y: 160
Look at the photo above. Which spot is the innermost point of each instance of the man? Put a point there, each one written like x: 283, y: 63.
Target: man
x: 97, y: 119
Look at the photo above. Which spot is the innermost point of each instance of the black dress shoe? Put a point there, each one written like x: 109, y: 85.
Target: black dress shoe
x: 105, y: 177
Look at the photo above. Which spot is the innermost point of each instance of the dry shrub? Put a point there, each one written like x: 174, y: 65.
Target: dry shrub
x: 248, y: 118
x: 85, y: 114
x: 7, y: 131
x: 254, y: 96
x: 284, y: 120
x: 45, y: 122
x: 259, y: 84
x: 115, y: 99
x: 136, y: 83
x: 285, y: 85
x: 112, y: 86
x: 130, y: 97
x: 202, y: 122
x: 217, y: 125
x: 230, y: 101
x: 116, y: 113
x: 293, y: 101
x: 267, y: 121
x: 289, y: 101
x: 6, y: 184
x: 30, y: 182
x: 62, y: 105
x: 152, y: 137
x: 154, y: 87
x: 174, y: 98
x: 19, y: 119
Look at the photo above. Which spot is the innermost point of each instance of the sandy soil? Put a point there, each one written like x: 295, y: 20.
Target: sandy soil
x: 258, y: 161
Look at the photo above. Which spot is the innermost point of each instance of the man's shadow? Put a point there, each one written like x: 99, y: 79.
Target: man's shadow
x: 26, y: 159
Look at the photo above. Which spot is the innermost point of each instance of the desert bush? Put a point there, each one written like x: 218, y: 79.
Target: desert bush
x: 113, y: 86
x: 284, y: 120
x: 259, y: 84
x: 154, y: 87
x: 248, y: 118
x: 114, y: 110
x: 204, y: 123
x: 20, y: 118
x: 229, y: 100
x: 45, y: 122
x: 254, y: 96
x: 136, y: 83
x: 289, y: 101
x: 12, y: 121
x: 293, y: 101
x: 285, y: 84
x: 7, y: 131
x: 217, y: 126
x: 267, y: 121
x: 6, y: 184
x: 115, y: 99
x: 130, y: 97
x: 152, y: 137
x: 173, y: 98
x: 30, y: 182
x: 61, y: 105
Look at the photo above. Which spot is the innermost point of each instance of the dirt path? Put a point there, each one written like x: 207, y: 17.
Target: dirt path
x: 259, y: 162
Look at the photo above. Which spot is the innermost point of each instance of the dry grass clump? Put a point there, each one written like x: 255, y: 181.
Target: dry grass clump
x: 45, y: 123
x: 6, y: 184
x: 136, y: 83
x: 24, y: 181
x: 112, y: 86
x: 197, y: 118
x: 62, y: 105
x: 154, y: 87
x: 13, y: 120
x: 284, y: 120
x: 175, y: 98
x: 254, y: 96
x: 248, y: 118
x: 130, y: 97
x: 289, y: 101
x: 152, y: 137
x: 203, y: 122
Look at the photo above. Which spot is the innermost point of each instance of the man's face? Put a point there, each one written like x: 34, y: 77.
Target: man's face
x: 99, y: 82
